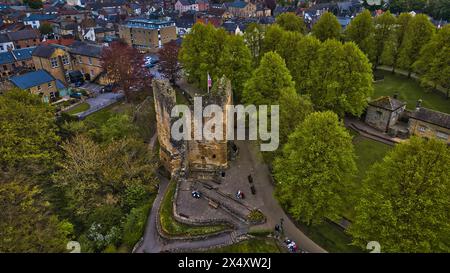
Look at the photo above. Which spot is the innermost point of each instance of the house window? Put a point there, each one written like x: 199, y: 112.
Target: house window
x: 54, y: 62
x: 39, y: 88
x: 422, y: 129
x: 442, y: 135
x: 65, y: 59
x: 90, y: 60
x: 50, y: 84
x: 79, y: 59
x: 1, y: 48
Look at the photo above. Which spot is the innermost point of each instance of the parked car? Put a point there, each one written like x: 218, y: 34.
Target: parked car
x: 76, y: 95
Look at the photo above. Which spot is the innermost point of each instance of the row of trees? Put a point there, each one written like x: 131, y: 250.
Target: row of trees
x: 438, y: 9
x: 70, y: 180
x: 408, y: 42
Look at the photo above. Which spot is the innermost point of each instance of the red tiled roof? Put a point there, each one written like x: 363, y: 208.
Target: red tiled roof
x: 64, y: 42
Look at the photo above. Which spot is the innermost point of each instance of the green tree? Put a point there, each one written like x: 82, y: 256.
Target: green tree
x: 291, y: 22
x: 327, y: 27
x: 384, y: 25
x: 236, y: 64
x: 394, y: 43
x: 272, y: 38
x: 317, y: 161
x: 293, y: 110
x: 34, y: 4
x: 405, y: 199
x: 45, y: 28
x: 94, y: 175
x: 27, y: 224
x: 254, y: 37
x: 432, y: 64
x: 117, y: 127
x: 303, y: 60
x: 418, y: 33
x: 342, y: 79
x: 28, y: 139
x: 361, y: 30
x: 267, y: 81
x: 207, y: 50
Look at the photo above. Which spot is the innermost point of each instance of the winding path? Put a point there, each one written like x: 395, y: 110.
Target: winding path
x: 153, y: 243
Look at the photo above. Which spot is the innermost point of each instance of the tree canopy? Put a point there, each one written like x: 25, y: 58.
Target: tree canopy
x: 327, y: 27
x: 291, y: 22
x: 405, y: 199
x: 361, y: 30
x: 268, y: 81
x: 317, y: 160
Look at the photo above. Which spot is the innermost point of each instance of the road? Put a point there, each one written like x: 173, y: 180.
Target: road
x: 152, y: 243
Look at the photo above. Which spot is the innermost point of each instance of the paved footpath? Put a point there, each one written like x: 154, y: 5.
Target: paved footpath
x: 152, y: 243
x: 271, y: 208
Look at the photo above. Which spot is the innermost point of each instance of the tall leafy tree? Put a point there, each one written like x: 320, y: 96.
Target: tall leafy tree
x: 94, y: 175
x: 124, y: 66
x: 254, y: 37
x: 293, y: 110
x: 384, y: 27
x: 267, y: 81
x: 432, y: 63
x: 291, y: 22
x: 28, y: 139
x: 327, y: 27
x: 418, y: 33
x: 272, y: 38
x: 394, y: 43
x: 361, y: 30
x: 236, y: 64
x: 302, y: 62
x: 341, y: 79
x: 405, y: 201
x: 316, y: 162
x: 168, y: 61
x: 207, y: 50
x: 27, y: 224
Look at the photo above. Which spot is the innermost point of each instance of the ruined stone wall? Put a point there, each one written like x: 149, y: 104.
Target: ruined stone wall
x: 199, y: 155
x: 165, y: 100
x: 212, y: 155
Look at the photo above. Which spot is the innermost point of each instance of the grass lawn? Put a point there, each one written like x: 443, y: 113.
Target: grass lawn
x: 254, y: 245
x: 329, y: 236
x: 103, y: 115
x: 368, y: 152
x: 173, y: 228
x: 79, y: 108
x: 409, y: 90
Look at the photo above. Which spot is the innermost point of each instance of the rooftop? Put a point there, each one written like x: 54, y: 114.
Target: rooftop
x: 148, y: 23
x: 387, y: 103
x: 32, y: 79
x: 16, y: 55
x: 431, y: 116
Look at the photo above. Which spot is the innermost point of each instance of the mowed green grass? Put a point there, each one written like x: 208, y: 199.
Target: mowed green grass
x: 254, y: 245
x: 367, y: 152
x: 82, y: 107
x: 409, y: 91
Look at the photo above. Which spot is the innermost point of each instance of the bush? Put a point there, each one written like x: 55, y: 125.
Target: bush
x: 256, y: 216
x: 134, y: 225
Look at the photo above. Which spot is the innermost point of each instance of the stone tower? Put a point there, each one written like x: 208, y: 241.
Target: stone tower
x: 198, y: 156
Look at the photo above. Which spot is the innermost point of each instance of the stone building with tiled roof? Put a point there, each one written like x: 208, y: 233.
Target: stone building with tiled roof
x: 382, y: 113
x: 429, y: 124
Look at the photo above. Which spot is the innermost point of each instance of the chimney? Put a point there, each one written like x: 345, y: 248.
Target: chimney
x: 418, y: 104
